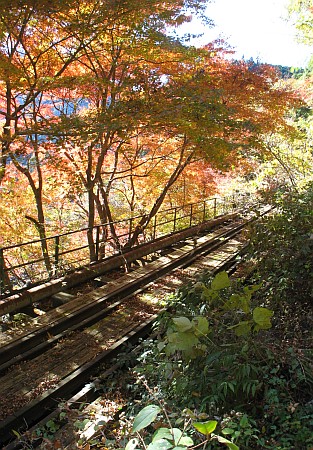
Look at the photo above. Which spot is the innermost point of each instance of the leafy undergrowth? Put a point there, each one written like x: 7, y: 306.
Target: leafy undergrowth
x: 222, y: 374
x: 232, y: 367
x: 238, y: 357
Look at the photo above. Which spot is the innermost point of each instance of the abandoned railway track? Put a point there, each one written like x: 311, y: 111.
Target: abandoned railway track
x: 55, y: 358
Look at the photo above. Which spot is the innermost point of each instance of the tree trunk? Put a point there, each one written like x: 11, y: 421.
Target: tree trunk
x: 158, y: 203
x: 40, y: 227
x: 39, y: 222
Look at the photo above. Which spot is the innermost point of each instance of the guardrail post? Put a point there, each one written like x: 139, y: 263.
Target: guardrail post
x: 214, y: 207
x: 175, y: 216
x: 191, y: 212
x: 154, y: 226
x: 2, y: 272
x: 204, y: 211
x: 97, y: 241
x: 56, y: 252
x: 130, y: 228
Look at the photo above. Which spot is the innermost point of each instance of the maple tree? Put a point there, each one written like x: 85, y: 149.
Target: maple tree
x: 41, y: 41
x: 96, y: 94
x: 208, y: 109
x: 218, y: 110
x: 34, y: 53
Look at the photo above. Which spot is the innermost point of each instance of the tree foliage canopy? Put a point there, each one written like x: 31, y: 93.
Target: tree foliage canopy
x: 100, y: 104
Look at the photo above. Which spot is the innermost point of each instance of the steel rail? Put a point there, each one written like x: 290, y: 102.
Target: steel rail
x: 71, y: 384
x: 73, y: 388
x: 38, y: 293
x: 30, y: 345
x: 78, y: 389
x: 38, y: 408
x: 7, y: 268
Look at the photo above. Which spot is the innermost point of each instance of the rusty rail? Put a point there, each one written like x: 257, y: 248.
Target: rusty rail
x: 24, y: 264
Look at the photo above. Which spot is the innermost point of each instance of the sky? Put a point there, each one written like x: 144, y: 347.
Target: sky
x: 255, y: 28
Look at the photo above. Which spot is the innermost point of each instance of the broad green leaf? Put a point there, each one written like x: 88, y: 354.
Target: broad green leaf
x: 174, y: 435
x: 245, y: 304
x: 182, y: 323
x: 221, y: 281
x: 186, y: 441
x: 183, y: 341
x: 237, y: 301
x: 162, y: 433
x: 132, y: 444
x: 173, y: 337
x: 229, y: 444
x: 227, y: 431
x: 244, y: 421
x: 145, y: 417
x: 242, y: 328
x: 170, y: 349
x: 232, y: 303
x: 177, y: 435
x: 205, y: 428
x: 208, y: 295
x: 179, y: 447
x: 262, y: 317
x: 161, y: 444
x: 201, y: 325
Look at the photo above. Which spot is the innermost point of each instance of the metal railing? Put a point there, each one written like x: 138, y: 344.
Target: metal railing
x: 24, y: 264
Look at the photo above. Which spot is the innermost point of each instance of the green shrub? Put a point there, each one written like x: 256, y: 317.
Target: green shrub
x: 283, y: 245
x: 209, y: 362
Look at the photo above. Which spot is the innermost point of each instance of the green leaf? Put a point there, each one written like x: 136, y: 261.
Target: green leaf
x: 132, y: 444
x: 170, y: 349
x: 244, y: 421
x: 242, y: 328
x: 177, y: 435
x: 205, y: 428
x: 145, y: 417
x: 186, y: 441
x: 182, y: 323
x: 161, y: 444
x: 201, y: 325
x: 221, y: 281
x: 208, y: 295
x: 236, y: 302
x: 262, y: 317
x: 161, y: 346
x: 183, y: 341
x: 229, y: 444
x: 232, y: 303
x: 227, y: 431
x: 174, y: 435
x: 162, y: 433
x: 245, y: 305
